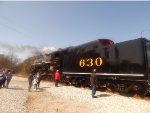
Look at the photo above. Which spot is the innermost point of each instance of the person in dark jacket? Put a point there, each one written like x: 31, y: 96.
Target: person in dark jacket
x: 30, y: 79
x: 2, y: 80
x: 8, y: 78
x: 4, y: 73
x: 57, y: 77
x: 93, y: 80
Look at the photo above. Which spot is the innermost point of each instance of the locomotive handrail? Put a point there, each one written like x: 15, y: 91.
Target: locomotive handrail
x: 113, y: 74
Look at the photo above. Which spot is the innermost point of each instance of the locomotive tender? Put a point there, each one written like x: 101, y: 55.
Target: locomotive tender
x: 123, y: 66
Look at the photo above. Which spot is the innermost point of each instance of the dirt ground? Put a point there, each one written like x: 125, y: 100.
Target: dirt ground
x: 44, y: 102
x: 41, y: 101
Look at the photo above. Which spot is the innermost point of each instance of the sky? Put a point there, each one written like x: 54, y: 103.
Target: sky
x: 31, y: 27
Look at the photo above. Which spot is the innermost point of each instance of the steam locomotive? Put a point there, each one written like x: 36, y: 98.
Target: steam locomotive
x: 122, y: 67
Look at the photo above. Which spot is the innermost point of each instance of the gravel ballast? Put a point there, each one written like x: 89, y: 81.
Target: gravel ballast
x: 12, y: 100
x: 105, y: 102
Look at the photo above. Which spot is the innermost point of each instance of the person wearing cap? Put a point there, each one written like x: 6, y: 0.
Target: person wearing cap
x: 57, y: 77
x: 93, y: 80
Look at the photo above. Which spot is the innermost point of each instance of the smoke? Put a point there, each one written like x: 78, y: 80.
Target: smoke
x: 25, y: 51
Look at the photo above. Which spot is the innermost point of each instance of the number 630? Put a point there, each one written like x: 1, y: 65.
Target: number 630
x: 91, y: 62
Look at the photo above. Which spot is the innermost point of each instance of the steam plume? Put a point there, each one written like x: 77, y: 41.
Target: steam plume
x: 24, y: 51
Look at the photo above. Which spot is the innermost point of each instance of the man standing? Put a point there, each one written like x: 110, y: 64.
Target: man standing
x: 8, y: 78
x: 93, y: 80
x: 57, y: 77
x: 4, y: 73
x: 2, y: 80
x: 30, y: 79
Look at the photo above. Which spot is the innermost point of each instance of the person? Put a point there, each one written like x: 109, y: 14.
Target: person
x: 38, y: 78
x: 57, y: 77
x: 2, y: 80
x: 8, y: 78
x: 30, y: 79
x: 35, y: 82
x: 93, y: 80
x: 6, y: 75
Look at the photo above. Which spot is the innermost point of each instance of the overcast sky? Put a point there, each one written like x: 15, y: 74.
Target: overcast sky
x: 36, y: 26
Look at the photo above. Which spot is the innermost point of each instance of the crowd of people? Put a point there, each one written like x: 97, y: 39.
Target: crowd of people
x: 5, y: 77
x: 35, y: 78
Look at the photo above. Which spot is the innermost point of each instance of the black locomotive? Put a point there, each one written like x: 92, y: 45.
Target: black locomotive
x: 123, y: 66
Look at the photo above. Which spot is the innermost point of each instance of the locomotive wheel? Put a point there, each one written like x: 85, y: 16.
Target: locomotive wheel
x: 142, y: 91
x: 110, y: 87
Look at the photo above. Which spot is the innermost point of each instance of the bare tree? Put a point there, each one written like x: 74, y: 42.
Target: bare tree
x: 9, y: 61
